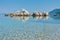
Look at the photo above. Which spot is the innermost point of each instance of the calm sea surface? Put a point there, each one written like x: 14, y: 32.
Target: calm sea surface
x: 29, y: 28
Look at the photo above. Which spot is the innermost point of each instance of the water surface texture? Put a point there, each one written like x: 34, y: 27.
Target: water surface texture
x: 29, y: 28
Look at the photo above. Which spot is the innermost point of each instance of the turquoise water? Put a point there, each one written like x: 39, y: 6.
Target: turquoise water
x: 29, y: 28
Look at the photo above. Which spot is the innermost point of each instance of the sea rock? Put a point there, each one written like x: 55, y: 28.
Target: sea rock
x: 55, y: 14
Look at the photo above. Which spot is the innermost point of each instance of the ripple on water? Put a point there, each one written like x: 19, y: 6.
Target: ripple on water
x: 21, y: 36
x: 53, y: 36
x: 29, y: 36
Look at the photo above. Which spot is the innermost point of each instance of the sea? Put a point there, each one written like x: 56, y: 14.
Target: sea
x: 29, y: 28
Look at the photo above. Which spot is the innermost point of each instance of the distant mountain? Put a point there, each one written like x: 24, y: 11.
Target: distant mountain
x: 55, y: 14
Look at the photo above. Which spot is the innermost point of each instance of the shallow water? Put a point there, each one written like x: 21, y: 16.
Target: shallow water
x: 29, y: 28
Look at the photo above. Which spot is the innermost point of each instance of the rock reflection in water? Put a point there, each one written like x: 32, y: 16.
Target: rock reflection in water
x: 22, y: 18
x: 40, y: 17
x: 25, y: 18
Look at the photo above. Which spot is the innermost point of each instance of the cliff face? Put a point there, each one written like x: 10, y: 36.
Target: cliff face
x: 55, y: 14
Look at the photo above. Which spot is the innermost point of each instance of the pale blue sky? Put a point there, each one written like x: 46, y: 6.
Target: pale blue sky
x: 8, y: 6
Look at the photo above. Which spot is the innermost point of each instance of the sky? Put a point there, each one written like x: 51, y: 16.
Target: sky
x: 8, y: 6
